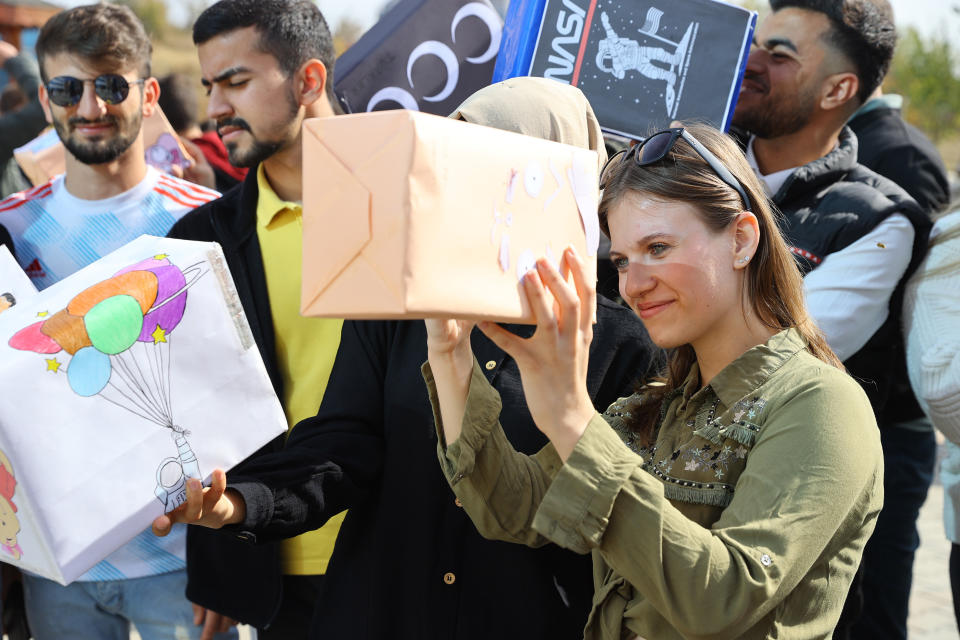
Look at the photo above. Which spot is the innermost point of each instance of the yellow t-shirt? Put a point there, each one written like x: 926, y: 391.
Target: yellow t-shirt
x: 305, y: 347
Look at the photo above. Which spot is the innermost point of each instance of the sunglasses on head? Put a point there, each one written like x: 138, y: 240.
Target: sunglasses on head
x: 657, y: 146
x: 66, y: 91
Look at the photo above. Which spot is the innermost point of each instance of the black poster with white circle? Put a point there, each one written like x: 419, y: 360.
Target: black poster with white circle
x: 423, y: 55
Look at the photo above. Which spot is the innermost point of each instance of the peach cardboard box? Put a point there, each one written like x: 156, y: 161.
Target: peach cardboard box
x: 408, y: 215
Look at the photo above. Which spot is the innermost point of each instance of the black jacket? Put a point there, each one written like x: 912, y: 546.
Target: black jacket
x: 226, y: 574
x: 5, y: 238
x: 899, y: 151
x: 372, y: 449
x: 828, y: 205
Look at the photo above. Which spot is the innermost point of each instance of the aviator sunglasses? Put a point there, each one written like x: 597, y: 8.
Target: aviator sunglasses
x: 66, y: 91
x: 656, y: 147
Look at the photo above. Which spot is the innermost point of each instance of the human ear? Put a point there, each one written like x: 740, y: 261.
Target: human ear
x: 151, y: 95
x: 313, y: 82
x: 746, y: 239
x: 45, y: 102
x: 838, y: 90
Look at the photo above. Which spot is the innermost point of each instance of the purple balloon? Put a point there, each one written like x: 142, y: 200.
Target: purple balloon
x: 171, y: 302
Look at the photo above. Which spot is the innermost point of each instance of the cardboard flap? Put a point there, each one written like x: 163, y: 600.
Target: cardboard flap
x: 327, y: 252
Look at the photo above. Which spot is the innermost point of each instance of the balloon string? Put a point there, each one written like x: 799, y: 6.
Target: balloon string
x: 134, y: 402
x: 153, y: 356
x: 127, y: 408
x: 136, y: 386
x: 141, y: 401
x: 150, y: 390
x: 165, y: 373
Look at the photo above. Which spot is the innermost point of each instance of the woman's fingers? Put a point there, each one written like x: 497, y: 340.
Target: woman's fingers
x: 543, y: 315
x: 563, y: 294
x: 585, y: 290
x: 512, y: 345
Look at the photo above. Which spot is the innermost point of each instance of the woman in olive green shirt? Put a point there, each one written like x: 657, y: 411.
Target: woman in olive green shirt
x: 731, y: 500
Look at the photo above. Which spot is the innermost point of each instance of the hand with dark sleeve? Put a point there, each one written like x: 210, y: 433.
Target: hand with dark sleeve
x: 329, y: 461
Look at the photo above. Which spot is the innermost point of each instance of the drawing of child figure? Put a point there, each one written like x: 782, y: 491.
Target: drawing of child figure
x: 6, y: 301
x: 9, y: 524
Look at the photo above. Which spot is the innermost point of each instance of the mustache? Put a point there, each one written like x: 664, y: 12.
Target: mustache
x: 240, y: 123
x: 107, y: 119
x: 757, y: 79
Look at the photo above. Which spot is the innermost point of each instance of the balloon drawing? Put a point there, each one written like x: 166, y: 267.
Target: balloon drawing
x: 117, y: 334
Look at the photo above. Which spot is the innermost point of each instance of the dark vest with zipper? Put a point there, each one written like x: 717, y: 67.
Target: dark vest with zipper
x: 828, y: 205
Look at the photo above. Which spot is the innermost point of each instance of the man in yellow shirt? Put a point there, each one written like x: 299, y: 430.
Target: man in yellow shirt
x: 267, y: 65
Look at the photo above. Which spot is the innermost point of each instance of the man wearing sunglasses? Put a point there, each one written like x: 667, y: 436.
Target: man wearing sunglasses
x: 96, y: 90
x: 857, y: 237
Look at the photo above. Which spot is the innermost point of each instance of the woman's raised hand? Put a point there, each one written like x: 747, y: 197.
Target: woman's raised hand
x: 553, y: 362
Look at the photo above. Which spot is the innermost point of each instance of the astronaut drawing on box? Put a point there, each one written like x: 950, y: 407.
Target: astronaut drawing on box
x: 172, y: 473
x: 618, y: 55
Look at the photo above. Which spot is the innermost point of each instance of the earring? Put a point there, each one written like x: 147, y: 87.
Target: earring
x: 744, y: 260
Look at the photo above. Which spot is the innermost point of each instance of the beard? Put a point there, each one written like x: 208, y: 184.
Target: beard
x: 776, y: 117
x: 260, y: 149
x: 104, y: 150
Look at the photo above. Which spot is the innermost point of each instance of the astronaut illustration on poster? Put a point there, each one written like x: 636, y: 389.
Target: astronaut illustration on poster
x: 618, y: 55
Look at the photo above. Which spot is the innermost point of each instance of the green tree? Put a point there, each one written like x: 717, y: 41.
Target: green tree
x: 153, y: 15
x: 926, y: 72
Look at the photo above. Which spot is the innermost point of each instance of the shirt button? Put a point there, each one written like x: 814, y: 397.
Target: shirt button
x: 449, y: 578
x: 766, y: 560
x: 491, y: 365
x: 457, y: 502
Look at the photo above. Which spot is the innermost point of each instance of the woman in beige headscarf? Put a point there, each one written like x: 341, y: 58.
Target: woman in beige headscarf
x: 536, y: 107
x: 408, y: 562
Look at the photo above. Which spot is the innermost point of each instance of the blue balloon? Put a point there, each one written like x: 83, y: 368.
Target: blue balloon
x: 89, y: 372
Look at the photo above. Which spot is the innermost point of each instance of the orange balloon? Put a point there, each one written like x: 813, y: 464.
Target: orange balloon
x: 68, y: 331
x: 140, y: 285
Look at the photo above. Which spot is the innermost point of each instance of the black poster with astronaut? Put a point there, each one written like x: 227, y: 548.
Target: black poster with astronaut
x: 643, y: 63
x: 423, y: 55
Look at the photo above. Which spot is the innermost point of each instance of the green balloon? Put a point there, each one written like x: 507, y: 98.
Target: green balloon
x: 114, y: 324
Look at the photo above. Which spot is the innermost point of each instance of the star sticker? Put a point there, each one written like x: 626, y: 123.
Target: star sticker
x: 43, y: 314
x: 161, y: 256
x: 158, y: 335
x: 53, y: 365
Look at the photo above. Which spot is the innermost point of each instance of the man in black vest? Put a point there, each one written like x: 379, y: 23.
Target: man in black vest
x: 896, y: 149
x: 857, y: 236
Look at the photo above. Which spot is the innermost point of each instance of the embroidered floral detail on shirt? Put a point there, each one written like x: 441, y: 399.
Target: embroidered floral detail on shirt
x: 693, y: 465
x: 741, y: 452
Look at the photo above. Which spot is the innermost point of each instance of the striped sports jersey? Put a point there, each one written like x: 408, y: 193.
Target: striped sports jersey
x: 56, y: 234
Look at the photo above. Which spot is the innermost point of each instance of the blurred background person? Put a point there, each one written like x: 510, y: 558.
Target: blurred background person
x: 931, y: 311
x: 179, y: 102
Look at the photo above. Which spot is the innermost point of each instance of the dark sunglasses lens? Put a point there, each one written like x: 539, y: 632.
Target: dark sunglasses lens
x: 111, y: 88
x: 656, y: 147
x: 65, y: 91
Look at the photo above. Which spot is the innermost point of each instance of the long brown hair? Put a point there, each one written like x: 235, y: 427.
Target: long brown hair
x: 773, y: 281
